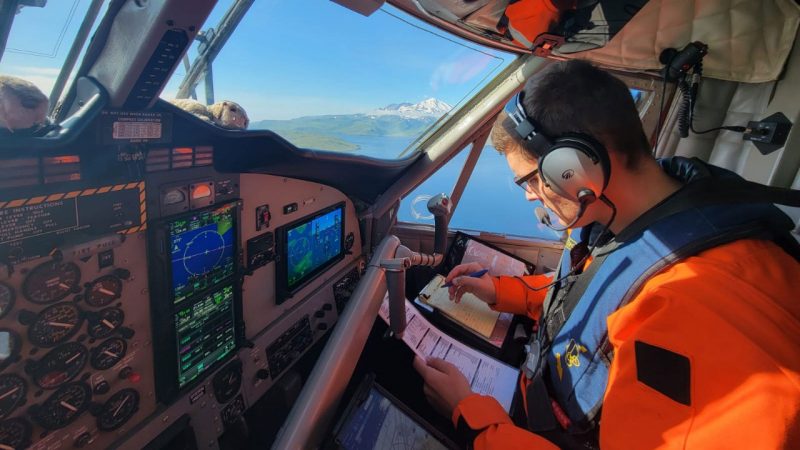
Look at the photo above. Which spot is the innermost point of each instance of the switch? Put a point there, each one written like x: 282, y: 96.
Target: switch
x: 322, y: 326
x: 319, y: 314
x: 102, y: 388
x: 327, y: 307
x: 262, y: 374
x: 127, y: 373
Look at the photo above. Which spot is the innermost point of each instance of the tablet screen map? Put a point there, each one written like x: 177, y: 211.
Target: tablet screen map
x: 202, y: 251
x: 379, y: 424
x: 312, y: 244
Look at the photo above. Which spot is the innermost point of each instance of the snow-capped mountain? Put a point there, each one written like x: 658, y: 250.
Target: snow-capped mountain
x: 429, y: 108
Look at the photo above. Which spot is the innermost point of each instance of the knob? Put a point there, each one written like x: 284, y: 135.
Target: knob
x: 262, y: 374
x: 319, y: 314
x: 322, y: 326
x: 102, y: 388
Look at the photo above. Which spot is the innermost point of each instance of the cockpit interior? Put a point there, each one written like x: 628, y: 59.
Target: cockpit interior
x: 196, y: 246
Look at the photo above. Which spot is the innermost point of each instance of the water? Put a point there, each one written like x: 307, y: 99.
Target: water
x: 491, y: 201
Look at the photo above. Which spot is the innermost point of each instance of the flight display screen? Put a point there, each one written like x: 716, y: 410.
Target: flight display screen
x: 205, y: 330
x: 313, y: 244
x: 202, y: 249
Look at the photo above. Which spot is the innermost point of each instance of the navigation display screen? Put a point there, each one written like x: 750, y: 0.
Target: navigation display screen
x: 313, y: 244
x: 205, y: 331
x: 378, y: 424
x: 202, y: 248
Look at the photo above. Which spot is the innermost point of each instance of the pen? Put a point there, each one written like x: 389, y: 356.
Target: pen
x: 477, y: 274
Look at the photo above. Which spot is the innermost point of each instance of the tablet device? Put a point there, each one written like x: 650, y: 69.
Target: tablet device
x: 374, y: 419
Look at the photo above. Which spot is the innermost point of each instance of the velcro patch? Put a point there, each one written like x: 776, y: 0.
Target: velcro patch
x: 665, y: 371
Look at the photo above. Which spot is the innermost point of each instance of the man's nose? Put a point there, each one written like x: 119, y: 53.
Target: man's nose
x: 531, y: 196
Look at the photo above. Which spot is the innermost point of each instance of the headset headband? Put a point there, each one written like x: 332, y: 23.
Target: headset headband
x: 525, y: 127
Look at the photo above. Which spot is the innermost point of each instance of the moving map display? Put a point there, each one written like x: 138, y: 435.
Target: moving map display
x: 312, y: 245
x: 202, y: 249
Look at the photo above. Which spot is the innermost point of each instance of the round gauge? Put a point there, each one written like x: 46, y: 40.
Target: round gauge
x: 12, y: 393
x: 15, y: 434
x: 105, y: 322
x: 7, y: 297
x: 59, y: 365
x: 51, y: 281
x: 14, y: 344
x: 55, y: 324
x: 227, y: 381
x: 118, y: 409
x: 108, y: 353
x: 103, y: 291
x: 63, y: 407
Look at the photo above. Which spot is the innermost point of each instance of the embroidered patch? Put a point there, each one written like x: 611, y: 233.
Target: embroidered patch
x: 570, y: 243
x: 665, y: 371
x: 573, y: 353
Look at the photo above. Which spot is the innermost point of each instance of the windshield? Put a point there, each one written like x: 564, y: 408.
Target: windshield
x: 42, y: 35
x: 327, y: 78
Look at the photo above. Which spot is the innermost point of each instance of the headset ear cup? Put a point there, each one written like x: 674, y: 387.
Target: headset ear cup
x: 570, y: 169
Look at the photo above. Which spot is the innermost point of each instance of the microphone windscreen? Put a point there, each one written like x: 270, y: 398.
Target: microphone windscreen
x: 542, y: 215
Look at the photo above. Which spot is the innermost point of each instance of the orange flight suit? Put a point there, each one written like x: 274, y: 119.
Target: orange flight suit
x: 733, y: 310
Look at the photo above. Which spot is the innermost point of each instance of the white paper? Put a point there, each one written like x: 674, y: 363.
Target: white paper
x: 487, y: 376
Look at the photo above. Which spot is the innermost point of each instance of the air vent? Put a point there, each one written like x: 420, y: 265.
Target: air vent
x: 182, y: 157
x: 159, y: 159
x: 19, y: 172
x: 57, y: 169
x: 204, y: 156
x: 22, y: 172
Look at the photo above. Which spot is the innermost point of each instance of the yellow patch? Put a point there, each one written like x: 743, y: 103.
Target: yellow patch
x: 572, y: 354
x: 559, y: 369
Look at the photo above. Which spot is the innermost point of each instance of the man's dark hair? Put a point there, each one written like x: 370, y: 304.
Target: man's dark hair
x: 577, y: 97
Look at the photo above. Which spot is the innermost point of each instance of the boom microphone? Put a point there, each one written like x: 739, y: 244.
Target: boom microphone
x: 544, y: 218
x: 542, y: 215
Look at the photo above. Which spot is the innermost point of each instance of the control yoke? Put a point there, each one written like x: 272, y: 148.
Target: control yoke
x: 439, y: 205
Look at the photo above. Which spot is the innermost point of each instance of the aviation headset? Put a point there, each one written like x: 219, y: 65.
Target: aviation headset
x: 574, y: 165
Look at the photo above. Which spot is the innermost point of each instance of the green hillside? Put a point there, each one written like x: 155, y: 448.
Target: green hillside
x: 352, y: 124
x: 317, y: 141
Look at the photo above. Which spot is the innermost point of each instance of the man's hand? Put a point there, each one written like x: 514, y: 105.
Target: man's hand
x: 445, y: 386
x: 482, y: 287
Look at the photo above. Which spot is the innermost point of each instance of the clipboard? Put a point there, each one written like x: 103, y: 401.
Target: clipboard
x: 464, y: 249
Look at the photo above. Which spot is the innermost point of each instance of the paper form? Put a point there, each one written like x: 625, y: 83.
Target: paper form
x: 470, y: 312
x: 487, y: 376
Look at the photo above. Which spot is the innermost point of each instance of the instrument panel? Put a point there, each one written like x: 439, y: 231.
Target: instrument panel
x: 146, y: 292
x: 75, y: 338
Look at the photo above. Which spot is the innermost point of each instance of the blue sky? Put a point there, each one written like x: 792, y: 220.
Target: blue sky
x: 292, y: 58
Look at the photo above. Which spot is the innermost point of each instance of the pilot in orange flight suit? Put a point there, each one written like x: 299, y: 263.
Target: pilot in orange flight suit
x: 702, y: 353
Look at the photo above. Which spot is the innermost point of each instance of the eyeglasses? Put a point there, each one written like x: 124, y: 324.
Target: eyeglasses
x: 529, y: 182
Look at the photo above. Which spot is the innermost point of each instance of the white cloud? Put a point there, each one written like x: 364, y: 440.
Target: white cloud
x: 459, y: 70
